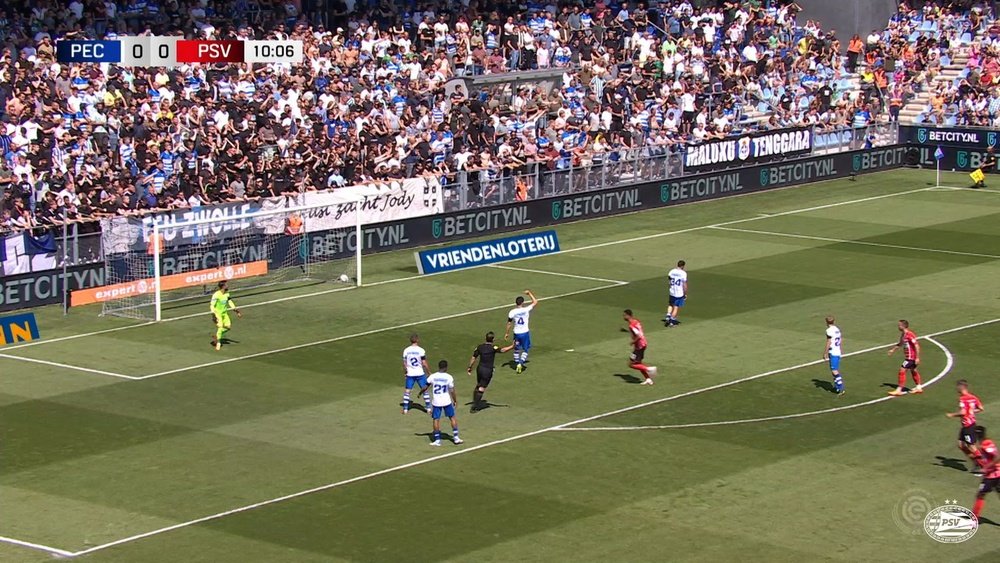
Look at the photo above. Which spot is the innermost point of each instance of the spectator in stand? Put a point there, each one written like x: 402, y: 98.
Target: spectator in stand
x: 370, y: 102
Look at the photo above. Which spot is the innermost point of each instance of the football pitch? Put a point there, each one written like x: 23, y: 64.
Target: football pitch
x: 132, y: 442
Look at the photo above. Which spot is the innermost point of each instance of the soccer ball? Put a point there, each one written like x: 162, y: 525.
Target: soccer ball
x: 652, y: 371
x: 344, y: 278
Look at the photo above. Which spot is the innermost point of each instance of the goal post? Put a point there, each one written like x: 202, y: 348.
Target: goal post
x: 153, y: 261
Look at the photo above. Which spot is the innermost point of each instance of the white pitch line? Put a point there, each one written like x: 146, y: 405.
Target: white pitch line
x: 37, y: 546
x: 466, y: 450
x: 858, y: 242
x: 565, y: 251
x: 360, y: 334
x: 68, y: 366
x: 956, y: 188
x: 560, y: 274
x: 949, y: 363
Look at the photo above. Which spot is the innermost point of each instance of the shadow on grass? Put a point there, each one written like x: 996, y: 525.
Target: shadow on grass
x: 825, y: 385
x: 951, y: 463
x: 629, y: 378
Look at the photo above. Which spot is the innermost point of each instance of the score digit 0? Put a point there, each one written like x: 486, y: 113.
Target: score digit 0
x: 135, y: 51
x: 163, y: 51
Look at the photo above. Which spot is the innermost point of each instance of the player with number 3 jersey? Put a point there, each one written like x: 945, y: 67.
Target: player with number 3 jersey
x: 415, y: 369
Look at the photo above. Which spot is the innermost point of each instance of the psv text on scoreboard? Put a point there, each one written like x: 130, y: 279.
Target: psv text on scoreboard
x: 166, y: 51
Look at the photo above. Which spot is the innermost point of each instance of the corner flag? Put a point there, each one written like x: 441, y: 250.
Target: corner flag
x: 938, y: 154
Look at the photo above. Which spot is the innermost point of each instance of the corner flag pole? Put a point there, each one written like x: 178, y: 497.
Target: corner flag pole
x: 938, y: 155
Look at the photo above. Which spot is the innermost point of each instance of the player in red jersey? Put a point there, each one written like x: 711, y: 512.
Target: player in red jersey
x: 911, y: 358
x: 989, y: 455
x: 968, y: 406
x: 638, y: 348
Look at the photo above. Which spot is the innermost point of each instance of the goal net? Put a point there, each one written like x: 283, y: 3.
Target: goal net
x: 152, y: 262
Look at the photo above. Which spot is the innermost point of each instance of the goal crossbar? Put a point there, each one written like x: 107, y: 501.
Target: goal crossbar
x: 159, y: 228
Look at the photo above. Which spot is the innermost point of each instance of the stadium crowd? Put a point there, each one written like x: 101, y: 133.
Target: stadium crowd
x: 370, y: 101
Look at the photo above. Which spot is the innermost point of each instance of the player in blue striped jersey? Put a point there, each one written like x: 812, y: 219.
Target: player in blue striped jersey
x: 831, y: 353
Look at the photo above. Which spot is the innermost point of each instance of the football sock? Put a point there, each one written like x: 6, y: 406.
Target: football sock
x: 218, y: 334
x: 437, y: 435
x: 524, y: 357
x: 902, y: 378
x: 406, y: 400
x: 977, y: 508
x: 643, y: 369
x: 477, y: 397
x: 454, y: 432
x: 838, y: 382
x: 916, y: 377
x: 427, y: 400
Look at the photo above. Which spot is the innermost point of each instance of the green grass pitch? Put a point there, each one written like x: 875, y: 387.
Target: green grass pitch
x: 123, y: 442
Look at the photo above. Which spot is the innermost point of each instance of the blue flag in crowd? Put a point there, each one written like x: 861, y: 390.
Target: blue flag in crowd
x: 45, y: 244
x: 3, y: 252
x: 939, y: 154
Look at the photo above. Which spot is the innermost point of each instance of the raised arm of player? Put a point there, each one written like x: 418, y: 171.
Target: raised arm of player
x: 534, y: 300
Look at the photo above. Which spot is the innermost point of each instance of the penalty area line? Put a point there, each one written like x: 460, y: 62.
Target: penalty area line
x: 949, y: 363
x: 37, y: 546
x: 69, y: 366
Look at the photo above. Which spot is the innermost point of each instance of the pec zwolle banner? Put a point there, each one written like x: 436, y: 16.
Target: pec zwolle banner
x: 328, y: 210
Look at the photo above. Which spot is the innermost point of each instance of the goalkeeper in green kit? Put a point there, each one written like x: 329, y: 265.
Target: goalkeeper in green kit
x: 221, y: 305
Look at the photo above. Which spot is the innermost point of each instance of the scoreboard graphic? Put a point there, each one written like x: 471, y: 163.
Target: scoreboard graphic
x: 157, y: 51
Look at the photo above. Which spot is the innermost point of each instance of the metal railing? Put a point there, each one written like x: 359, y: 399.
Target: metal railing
x: 497, y: 186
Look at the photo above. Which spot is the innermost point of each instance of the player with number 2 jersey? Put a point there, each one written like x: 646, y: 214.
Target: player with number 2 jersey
x: 415, y: 369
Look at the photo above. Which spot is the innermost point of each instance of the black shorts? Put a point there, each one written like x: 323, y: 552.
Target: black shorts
x: 687, y: 116
x: 637, y: 355
x: 967, y: 435
x: 909, y: 364
x: 989, y: 485
x: 483, y: 377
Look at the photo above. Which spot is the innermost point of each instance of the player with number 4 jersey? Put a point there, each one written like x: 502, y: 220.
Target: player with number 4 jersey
x: 415, y: 369
x: 832, y: 352
x: 517, y: 320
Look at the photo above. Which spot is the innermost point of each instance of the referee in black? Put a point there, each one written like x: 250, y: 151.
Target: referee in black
x: 486, y: 353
